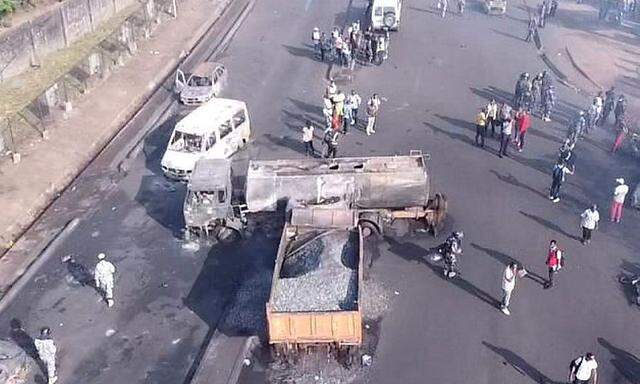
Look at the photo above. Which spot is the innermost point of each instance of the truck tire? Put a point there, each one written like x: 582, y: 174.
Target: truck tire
x: 389, y: 20
x: 369, y: 228
x: 227, y: 235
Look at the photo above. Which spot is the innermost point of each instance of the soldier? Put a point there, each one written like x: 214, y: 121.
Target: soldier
x: 316, y: 40
x: 548, y: 100
x: 609, y: 102
x: 103, y: 275
x: 47, y: 353
x: 620, y: 109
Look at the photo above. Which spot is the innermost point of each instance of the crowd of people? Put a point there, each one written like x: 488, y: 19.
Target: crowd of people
x: 351, y: 46
x: 341, y: 112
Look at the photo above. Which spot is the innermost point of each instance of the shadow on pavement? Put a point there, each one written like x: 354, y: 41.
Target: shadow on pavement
x: 26, y: 343
x: 507, y: 34
x: 520, y: 364
x: 626, y: 363
x: 152, y: 195
x: 549, y: 225
x: 505, y: 259
x: 287, y: 142
x: 458, y: 122
x: 510, y: 179
x: 301, y: 52
x: 413, y: 252
x: 451, y: 135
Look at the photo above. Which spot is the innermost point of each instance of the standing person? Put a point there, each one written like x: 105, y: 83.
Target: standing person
x: 542, y: 13
x: 481, y: 127
x: 316, y: 40
x: 523, y: 120
x: 508, y: 285
x: 623, y: 131
x: 505, y: 137
x: 331, y: 141
x: 554, y: 8
x: 548, y: 100
x: 558, y: 176
x: 356, y: 100
x: 327, y: 111
x: 592, y: 117
x: 307, y: 139
x: 554, y: 262
x: 324, y: 46
x: 582, y: 369
x: 372, y: 114
x: 609, y: 102
x: 442, y: 6
x: 619, y: 194
x: 589, y: 223
x: 536, y: 91
x: 532, y: 29
x: 348, y: 114
x: 47, y: 351
x: 338, y: 109
x: 492, y: 116
x: 103, y: 275
x: 620, y: 109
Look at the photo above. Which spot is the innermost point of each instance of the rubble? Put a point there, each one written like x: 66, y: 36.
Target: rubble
x: 320, y: 274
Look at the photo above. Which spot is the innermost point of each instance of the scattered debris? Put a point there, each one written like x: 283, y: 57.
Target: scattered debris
x: 246, y: 362
x: 366, y: 360
x: 396, y: 293
x: 66, y: 258
x: 95, y: 233
x: 164, y: 285
x: 110, y: 332
x: 176, y: 341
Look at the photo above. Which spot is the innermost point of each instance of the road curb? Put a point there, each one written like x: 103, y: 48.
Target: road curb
x: 16, y: 286
x: 249, y: 345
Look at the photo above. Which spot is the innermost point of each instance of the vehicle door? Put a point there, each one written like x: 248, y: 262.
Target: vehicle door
x: 180, y: 81
x: 241, y: 125
x: 228, y: 138
x: 219, y: 79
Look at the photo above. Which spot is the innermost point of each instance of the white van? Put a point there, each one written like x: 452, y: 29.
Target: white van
x: 216, y: 129
x: 385, y: 14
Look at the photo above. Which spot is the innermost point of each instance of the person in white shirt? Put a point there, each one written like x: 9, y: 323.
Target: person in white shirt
x: 619, y: 194
x: 104, y: 278
x: 590, y: 218
x: 307, y: 139
x: 508, y: 284
x: 356, y: 100
x: 47, y: 351
x: 583, y: 369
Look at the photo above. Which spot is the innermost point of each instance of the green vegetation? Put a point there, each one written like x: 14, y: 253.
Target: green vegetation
x: 6, y: 7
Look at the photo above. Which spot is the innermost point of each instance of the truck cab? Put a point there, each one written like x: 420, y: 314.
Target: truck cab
x: 384, y: 14
x: 208, y: 204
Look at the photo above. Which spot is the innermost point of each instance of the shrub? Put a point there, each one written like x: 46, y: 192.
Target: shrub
x: 7, y: 6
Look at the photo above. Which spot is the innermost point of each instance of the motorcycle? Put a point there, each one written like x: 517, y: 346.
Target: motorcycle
x: 449, y: 254
x: 632, y: 281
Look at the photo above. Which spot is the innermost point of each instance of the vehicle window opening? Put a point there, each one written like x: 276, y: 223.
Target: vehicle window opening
x: 221, y: 195
x: 185, y: 142
x: 199, y: 81
x: 358, y: 166
x: 225, y: 129
x: 378, y: 11
x: 239, y: 118
x: 211, y: 141
x: 334, y: 167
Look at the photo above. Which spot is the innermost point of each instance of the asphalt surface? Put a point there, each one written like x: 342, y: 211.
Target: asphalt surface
x: 172, y: 296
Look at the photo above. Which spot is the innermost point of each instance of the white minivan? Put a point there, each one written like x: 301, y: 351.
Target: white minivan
x: 216, y: 129
x: 385, y: 14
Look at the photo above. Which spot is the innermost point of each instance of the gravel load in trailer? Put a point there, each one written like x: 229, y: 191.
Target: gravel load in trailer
x: 316, y: 285
x: 319, y: 273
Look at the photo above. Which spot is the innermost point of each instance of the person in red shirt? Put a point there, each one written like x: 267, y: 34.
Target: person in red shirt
x: 523, y: 122
x: 554, y: 262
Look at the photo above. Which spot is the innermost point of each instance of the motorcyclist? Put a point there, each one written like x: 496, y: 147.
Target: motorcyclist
x: 451, y: 250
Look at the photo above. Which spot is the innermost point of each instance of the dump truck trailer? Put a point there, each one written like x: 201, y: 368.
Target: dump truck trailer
x: 378, y: 190
x: 315, y: 297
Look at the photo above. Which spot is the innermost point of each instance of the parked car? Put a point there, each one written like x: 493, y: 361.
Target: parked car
x: 495, y: 7
x: 206, y: 81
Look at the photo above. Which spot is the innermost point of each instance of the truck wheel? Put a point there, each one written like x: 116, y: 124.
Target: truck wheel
x: 369, y: 228
x: 227, y: 235
x: 389, y: 19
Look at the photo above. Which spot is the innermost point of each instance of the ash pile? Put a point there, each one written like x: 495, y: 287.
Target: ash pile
x: 319, y: 273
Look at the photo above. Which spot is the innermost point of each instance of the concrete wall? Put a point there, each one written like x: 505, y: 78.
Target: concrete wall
x: 24, y: 45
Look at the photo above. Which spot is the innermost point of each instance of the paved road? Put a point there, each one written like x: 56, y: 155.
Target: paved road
x: 171, y: 296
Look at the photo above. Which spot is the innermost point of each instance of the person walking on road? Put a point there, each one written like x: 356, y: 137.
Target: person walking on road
x: 620, y: 109
x: 619, y: 194
x: 548, y: 100
x: 47, y: 351
x: 316, y: 40
x: 554, y: 262
x: 558, y: 176
x: 327, y: 111
x: 492, y: 116
x: 523, y: 122
x: 623, y: 131
x: 509, y: 284
x: 583, y: 369
x: 481, y: 127
x: 307, y: 139
x: 355, y: 100
x: 589, y: 223
x: 609, y: 102
x: 103, y: 275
